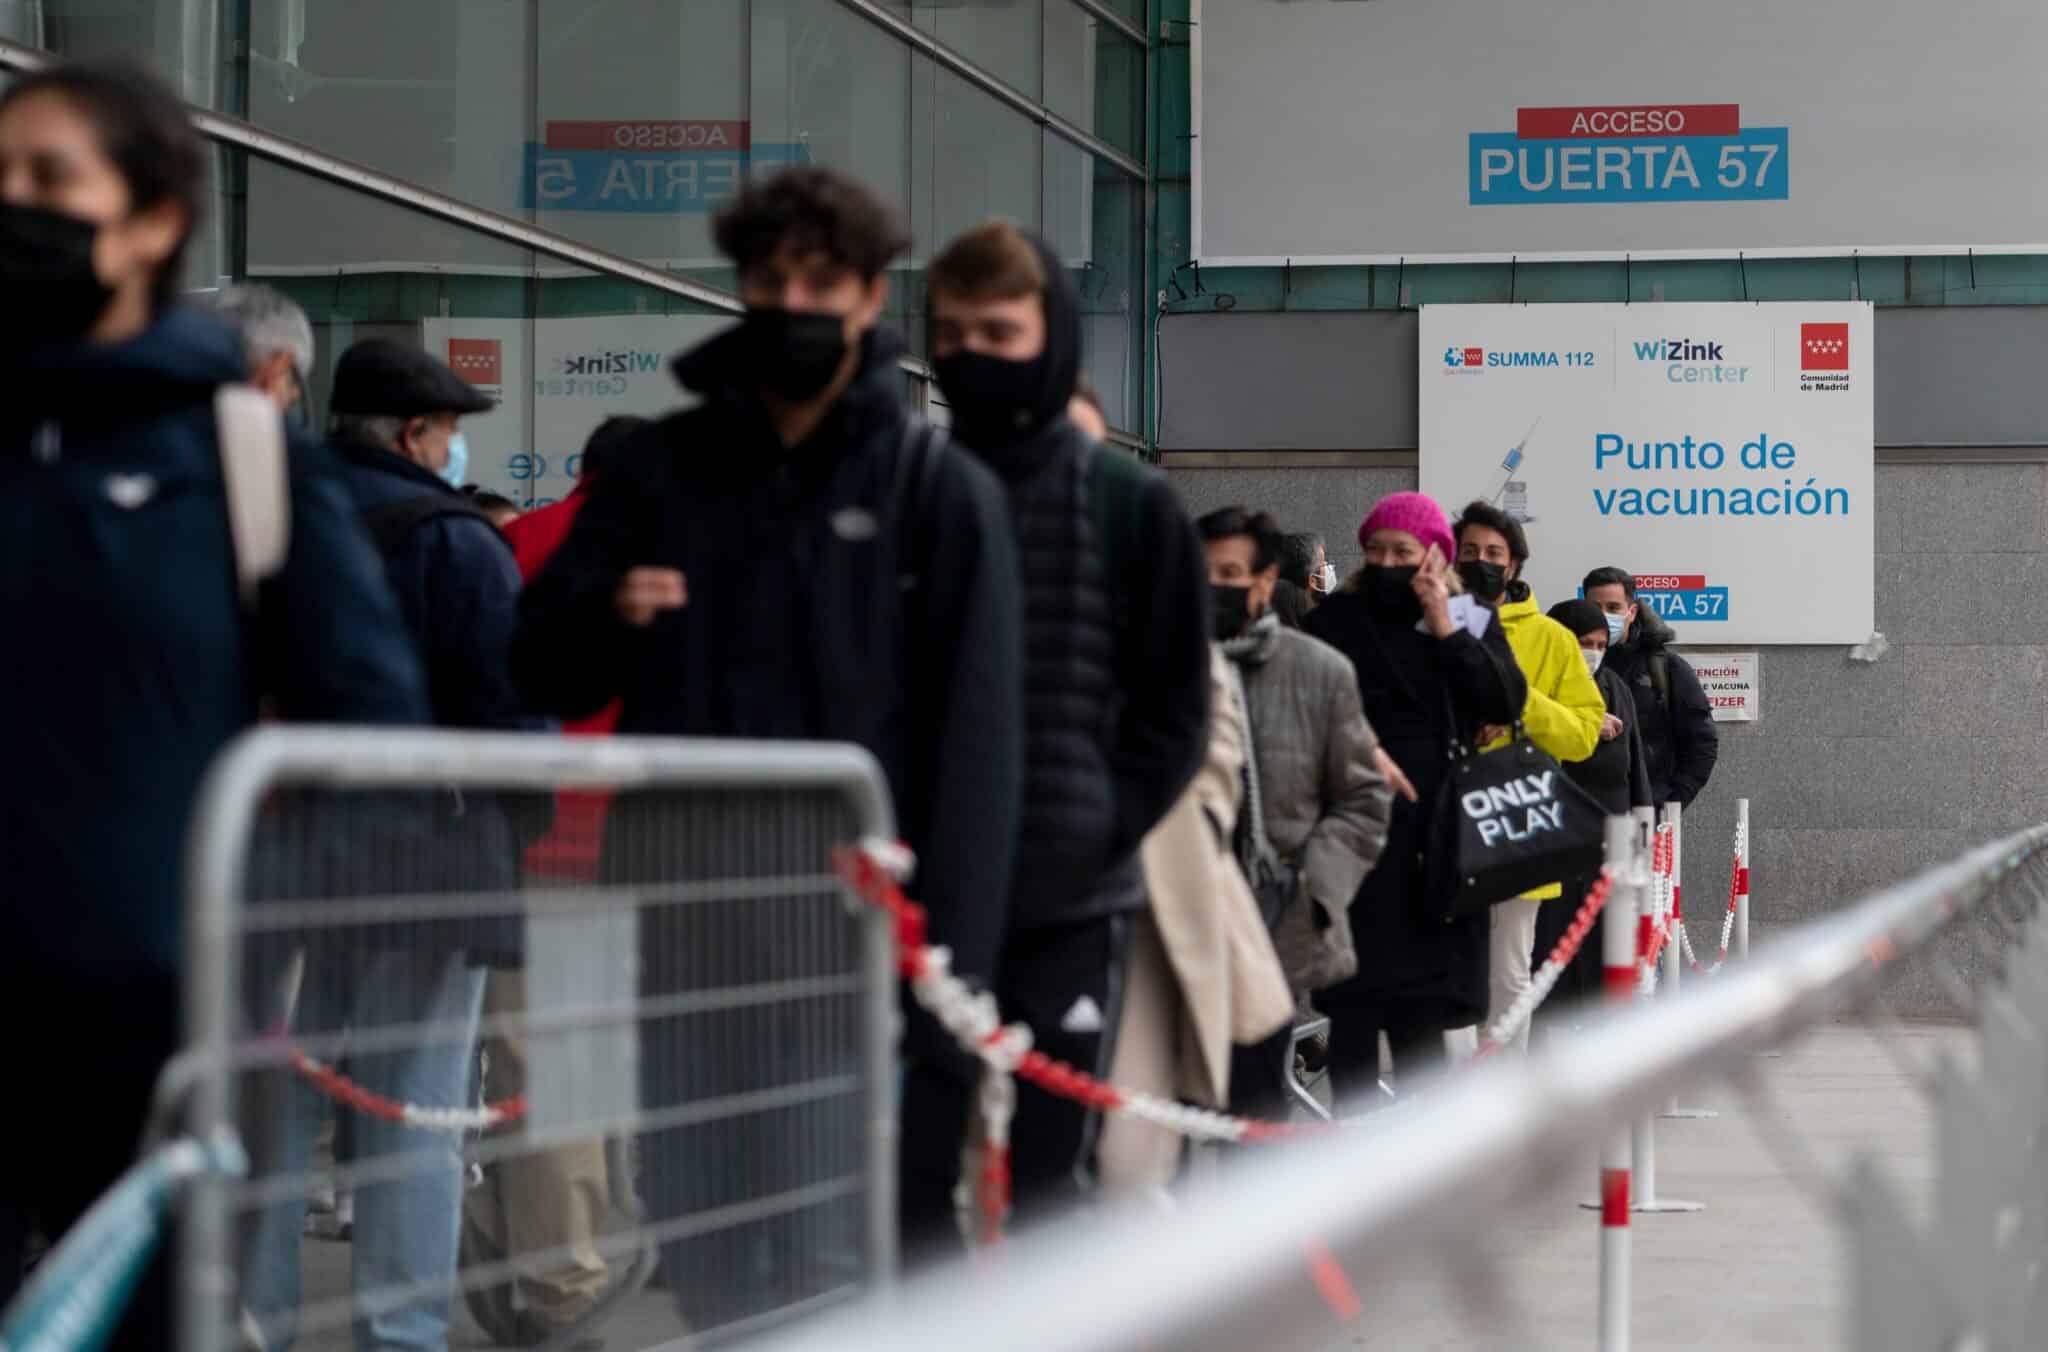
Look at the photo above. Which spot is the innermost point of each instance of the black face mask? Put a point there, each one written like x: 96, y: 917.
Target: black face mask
x: 794, y: 355
x: 1392, y: 590
x: 53, y: 294
x: 1486, y: 581
x: 1230, y: 609
x: 994, y: 402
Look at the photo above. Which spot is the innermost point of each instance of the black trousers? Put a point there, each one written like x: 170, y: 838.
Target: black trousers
x: 1414, y: 1032
x: 81, y: 1126
x: 1066, y: 983
x: 1581, y: 980
x: 1258, y: 1077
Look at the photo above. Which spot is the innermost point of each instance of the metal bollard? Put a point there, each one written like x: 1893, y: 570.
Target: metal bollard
x: 1618, y: 987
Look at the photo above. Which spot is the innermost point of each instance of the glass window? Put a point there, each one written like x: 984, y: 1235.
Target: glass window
x: 1094, y: 219
x: 560, y: 348
x: 972, y: 158
x: 1000, y: 36
x: 640, y: 127
x: 1094, y: 76
x: 831, y: 88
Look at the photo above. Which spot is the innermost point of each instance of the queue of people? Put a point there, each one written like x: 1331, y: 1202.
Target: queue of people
x: 1170, y: 784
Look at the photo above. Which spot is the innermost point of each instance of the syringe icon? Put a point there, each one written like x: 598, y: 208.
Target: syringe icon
x: 1516, y: 491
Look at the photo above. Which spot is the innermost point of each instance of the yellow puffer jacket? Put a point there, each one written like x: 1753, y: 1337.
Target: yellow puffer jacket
x: 1565, y: 708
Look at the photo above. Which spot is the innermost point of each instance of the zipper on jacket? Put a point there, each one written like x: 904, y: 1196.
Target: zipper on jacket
x: 46, y: 444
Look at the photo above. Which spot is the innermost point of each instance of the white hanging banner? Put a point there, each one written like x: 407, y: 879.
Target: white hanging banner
x: 1722, y: 454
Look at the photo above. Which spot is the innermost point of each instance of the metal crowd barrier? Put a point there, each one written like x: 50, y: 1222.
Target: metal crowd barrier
x: 1282, y: 1249
x: 665, y: 1015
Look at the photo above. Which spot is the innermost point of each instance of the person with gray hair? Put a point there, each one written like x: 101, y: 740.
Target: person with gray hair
x: 277, y: 339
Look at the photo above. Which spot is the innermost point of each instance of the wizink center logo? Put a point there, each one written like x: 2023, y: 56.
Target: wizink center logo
x: 1667, y: 152
x: 608, y: 363
x: 1692, y: 361
x: 1824, y: 357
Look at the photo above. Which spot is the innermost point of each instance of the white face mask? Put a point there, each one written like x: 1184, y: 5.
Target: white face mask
x: 1593, y: 656
x: 1328, y: 578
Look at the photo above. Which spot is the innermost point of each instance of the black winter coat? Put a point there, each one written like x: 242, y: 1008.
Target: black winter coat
x: 812, y: 614
x: 1116, y: 669
x: 457, y: 586
x: 1680, y: 741
x: 1419, y: 694
x: 133, y: 664
x: 1616, y: 774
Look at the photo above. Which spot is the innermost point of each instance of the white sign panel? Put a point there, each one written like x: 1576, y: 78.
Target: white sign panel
x: 1731, y: 683
x: 555, y: 380
x: 1720, y: 453
x: 1432, y: 130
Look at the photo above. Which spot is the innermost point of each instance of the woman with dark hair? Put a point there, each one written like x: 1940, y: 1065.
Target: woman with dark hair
x: 147, y: 648
x: 1617, y: 775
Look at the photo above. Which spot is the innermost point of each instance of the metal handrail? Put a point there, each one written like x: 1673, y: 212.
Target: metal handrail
x: 1377, y: 1195
x: 995, y: 86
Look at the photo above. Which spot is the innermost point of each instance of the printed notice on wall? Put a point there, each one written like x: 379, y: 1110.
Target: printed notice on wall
x: 1731, y: 681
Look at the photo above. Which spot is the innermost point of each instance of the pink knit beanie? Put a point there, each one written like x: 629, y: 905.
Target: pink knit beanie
x: 1416, y: 513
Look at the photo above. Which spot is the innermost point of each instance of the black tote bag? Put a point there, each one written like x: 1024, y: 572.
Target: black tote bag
x: 1508, y: 821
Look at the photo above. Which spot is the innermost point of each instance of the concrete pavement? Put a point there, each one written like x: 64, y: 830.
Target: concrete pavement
x: 1761, y: 1267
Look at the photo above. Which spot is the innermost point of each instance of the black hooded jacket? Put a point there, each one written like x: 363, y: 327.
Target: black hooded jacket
x: 1679, y: 738
x: 1116, y: 650
x: 813, y: 612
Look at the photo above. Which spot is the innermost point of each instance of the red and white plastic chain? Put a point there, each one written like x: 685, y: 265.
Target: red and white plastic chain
x: 1511, y: 1020
x: 1738, y: 886
x: 1654, y: 925
x: 349, y: 1094
x: 875, y: 871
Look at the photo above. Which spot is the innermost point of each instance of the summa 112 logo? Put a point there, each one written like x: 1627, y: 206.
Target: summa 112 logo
x: 1460, y: 359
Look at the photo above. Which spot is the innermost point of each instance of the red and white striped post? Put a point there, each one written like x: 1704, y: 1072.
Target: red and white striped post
x: 1674, y: 960
x: 1742, y: 877
x: 1675, y: 946
x: 1652, y: 902
x: 1618, y: 944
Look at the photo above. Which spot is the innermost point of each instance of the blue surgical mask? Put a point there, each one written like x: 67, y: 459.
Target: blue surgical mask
x: 1615, y: 624
x: 457, y: 469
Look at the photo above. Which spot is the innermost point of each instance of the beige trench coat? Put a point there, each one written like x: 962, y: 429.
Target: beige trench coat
x: 1232, y: 987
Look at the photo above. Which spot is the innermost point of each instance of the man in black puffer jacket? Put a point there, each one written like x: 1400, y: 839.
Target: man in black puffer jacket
x: 1116, y: 668
x: 1679, y: 737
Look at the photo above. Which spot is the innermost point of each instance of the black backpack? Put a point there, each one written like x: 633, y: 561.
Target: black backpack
x: 390, y: 522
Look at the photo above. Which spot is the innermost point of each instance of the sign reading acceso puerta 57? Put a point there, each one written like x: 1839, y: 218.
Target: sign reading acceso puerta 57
x: 1721, y: 453
x: 1436, y: 130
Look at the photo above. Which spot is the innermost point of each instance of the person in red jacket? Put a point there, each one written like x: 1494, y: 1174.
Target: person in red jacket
x: 550, y: 1200
x: 570, y: 849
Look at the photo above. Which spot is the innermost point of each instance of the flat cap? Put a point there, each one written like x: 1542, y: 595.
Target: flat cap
x: 382, y: 377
